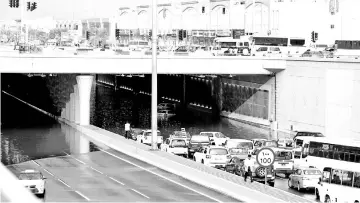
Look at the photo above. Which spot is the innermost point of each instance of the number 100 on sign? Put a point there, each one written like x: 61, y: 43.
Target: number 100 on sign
x: 265, y: 157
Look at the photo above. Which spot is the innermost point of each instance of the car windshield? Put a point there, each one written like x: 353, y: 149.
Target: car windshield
x: 312, y: 172
x: 218, y: 151
x: 178, y: 143
x: 247, y: 145
x: 181, y: 134
x: 29, y: 176
x: 238, y: 151
x: 199, y: 139
x: 283, y: 155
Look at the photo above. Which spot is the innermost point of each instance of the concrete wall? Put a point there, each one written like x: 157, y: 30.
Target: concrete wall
x: 319, y: 96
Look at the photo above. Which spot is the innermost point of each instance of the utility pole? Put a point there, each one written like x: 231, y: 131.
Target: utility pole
x: 154, y: 77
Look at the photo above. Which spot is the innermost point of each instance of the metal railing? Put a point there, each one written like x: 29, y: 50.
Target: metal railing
x: 12, y: 190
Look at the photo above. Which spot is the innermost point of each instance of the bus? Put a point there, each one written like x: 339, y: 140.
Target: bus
x: 321, y: 152
x: 289, y: 45
x: 138, y: 45
x: 230, y: 45
x: 347, y: 48
x: 339, y: 183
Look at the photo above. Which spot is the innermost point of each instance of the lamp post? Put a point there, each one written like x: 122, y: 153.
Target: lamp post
x: 154, y: 77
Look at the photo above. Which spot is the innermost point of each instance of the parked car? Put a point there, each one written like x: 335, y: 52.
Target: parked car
x: 236, y: 166
x: 305, y: 133
x: 145, y: 137
x: 34, y: 181
x: 304, y: 177
x: 216, y: 137
x: 176, y: 146
x: 213, y: 156
x: 239, y: 143
x: 196, y: 142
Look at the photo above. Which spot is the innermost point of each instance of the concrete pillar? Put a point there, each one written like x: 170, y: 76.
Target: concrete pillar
x: 76, y: 104
x: 63, y: 113
x: 84, y: 85
x: 83, y: 143
x: 72, y: 107
x: 67, y: 110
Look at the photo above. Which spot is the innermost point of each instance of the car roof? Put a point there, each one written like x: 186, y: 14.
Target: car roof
x: 306, y: 168
x: 30, y: 171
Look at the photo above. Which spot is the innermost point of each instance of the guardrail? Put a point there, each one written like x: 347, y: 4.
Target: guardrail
x: 12, y: 190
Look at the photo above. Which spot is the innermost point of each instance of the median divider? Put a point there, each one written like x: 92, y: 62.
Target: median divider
x: 143, y: 153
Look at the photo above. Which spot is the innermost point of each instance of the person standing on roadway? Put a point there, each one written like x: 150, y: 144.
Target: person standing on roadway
x: 248, y: 164
x: 127, y: 130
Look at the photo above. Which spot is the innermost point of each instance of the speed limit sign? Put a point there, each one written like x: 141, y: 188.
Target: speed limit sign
x: 265, y: 157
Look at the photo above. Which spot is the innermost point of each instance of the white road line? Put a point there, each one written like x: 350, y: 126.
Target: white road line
x: 145, y: 169
x: 48, y: 172
x: 83, y: 195
x: 64, y: 183
x: 35, y: 162
x: 66, y: 154
x: 96, y: 170
x: 79, y: 160
x: 116, y: 180
x: 140, y: 193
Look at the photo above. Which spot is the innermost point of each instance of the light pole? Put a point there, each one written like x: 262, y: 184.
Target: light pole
x: 154, y: 77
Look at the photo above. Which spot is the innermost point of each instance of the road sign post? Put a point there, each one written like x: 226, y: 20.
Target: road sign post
x: 265, y: 158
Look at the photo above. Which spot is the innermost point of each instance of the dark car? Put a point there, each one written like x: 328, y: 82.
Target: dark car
x: 236, y: 166
x: 310, y: 134
x: 196, y: 142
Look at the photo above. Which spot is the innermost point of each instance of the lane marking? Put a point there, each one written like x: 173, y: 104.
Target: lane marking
x: 79, y: 193
x: 96, y: 170
x: 116, y: 180
x: 48, y: 172
x: 145, y: 169
x: 66, y: 154
x: 64, y: 183
x: 35, y: 162
x: 140, y: 193
x: 75, y: 158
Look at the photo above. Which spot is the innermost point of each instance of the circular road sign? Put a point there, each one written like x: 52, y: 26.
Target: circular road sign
x: 265, y: 157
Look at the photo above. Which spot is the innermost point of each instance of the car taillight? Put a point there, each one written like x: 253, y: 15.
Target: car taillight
x: 208, y: 156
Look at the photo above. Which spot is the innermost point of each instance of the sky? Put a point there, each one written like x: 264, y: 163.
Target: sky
x: 69, y: 9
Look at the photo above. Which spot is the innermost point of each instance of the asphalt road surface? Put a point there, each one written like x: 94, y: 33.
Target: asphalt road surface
x: 111, y: 176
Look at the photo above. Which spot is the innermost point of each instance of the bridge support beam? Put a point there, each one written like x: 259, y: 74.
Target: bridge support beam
x: 76, y: 104
x: 84, y: 84
x: 72, y: 107
x: 67, y: 109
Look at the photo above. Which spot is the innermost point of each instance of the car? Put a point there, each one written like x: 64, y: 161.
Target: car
x: 258, y: 142
x: 181, y: 134
x: 267, y: 51
x: 34, y: 181
x: 165, y: 114
x: 216, y: 137
x: 305, y: 133
x: 240, y: 152
x: 285, y: 142
x: 270, y: 143
x: 239, y: 143
x: 213, y: 156
x: 166, y: 106
x: 236, y: 166
x: 284, y: 161
x: 317, y: 54
x: 176, y: 146
x: 304, y: 177
x: 145, y: 137
x: 134, y: 132
x: 196, y: 142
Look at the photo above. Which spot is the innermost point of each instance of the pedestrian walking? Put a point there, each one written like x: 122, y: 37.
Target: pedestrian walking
x: 127, y: 130
x: 248, y: 163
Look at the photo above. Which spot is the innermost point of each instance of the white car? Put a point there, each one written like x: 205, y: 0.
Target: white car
x: 176, y: 146
x: 267, y: 51
x: 216, y: 138
x: 34, y: 181
x: 239, y: 143
x: 213, y: 156
x: 145, y: 137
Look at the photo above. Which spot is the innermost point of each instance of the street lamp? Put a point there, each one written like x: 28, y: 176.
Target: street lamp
x: 154, y: 77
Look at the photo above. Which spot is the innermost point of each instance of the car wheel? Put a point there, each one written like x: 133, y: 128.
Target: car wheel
x: 141, y: 142
x: 298, y: 187
x: 202, y: 161
x: 289, y: 183
x: 272, y: 184
x: 327, y: 199
x: 194, y: 158
x: 186, y: 156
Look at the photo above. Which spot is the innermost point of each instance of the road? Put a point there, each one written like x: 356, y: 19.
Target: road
x: 112, y: 176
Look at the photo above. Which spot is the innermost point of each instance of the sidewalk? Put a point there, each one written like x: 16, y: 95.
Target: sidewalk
x: 218, y: 180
